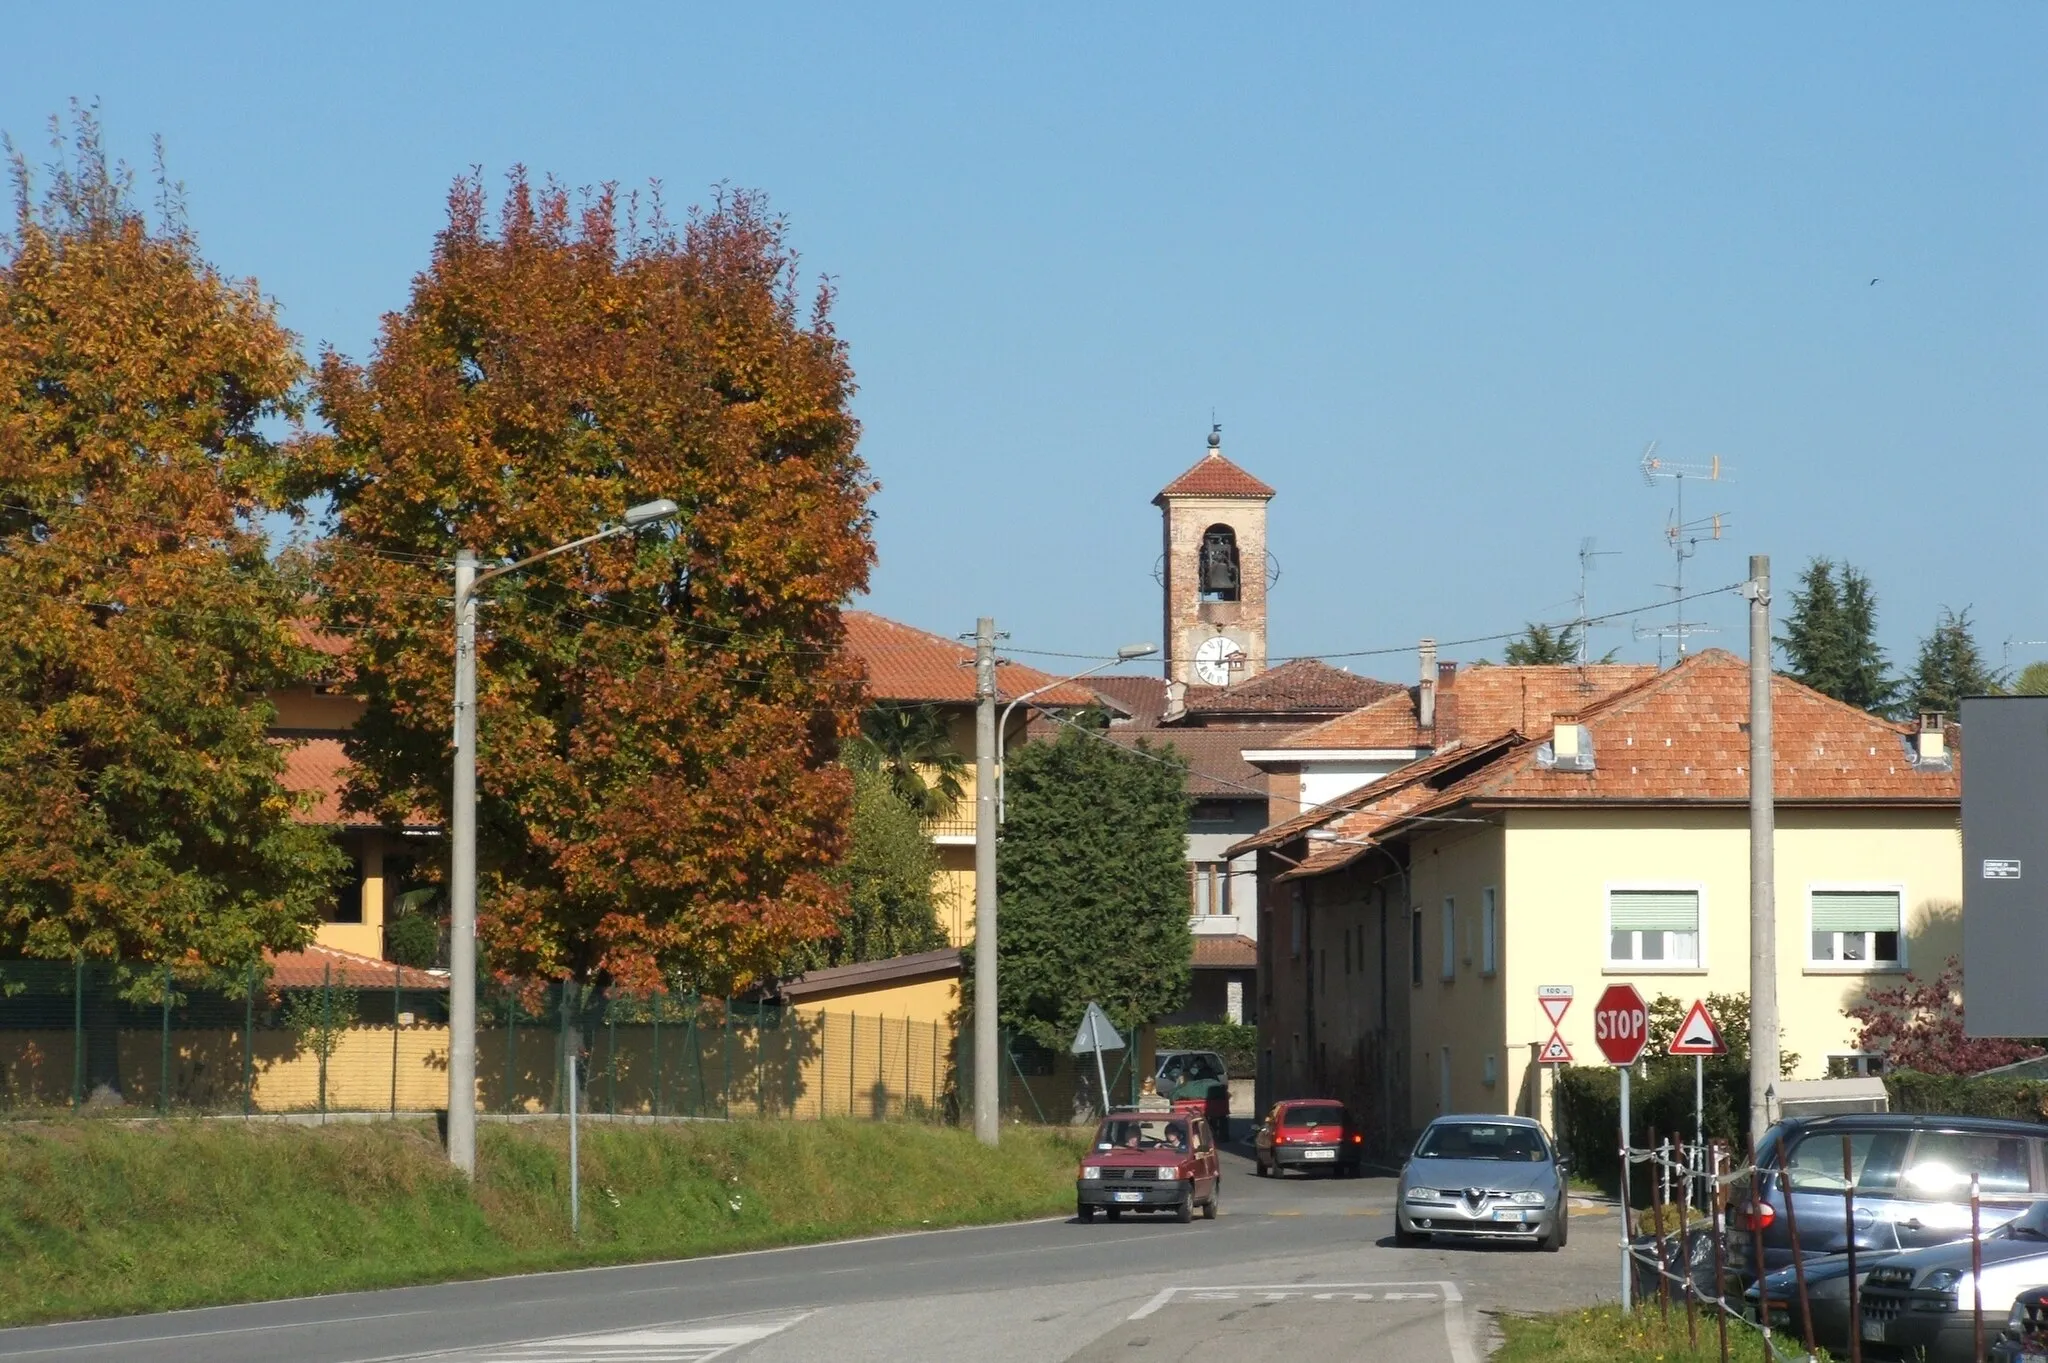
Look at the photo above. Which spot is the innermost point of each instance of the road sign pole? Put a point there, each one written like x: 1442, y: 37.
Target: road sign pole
x: 1101, y: 1082
x: 1699, y: 1100
x: 1627, y: 1299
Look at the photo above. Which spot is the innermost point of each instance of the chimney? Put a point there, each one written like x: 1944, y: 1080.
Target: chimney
x: 1930, y: 745
x: 1425, y: 692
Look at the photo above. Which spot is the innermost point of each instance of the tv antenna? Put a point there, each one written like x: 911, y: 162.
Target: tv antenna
x: 1587, y: 554
x: 1683, y: 536
x: 2006, y: 650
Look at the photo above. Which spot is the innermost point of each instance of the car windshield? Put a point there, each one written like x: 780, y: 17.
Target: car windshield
x: 1313, y: 1114
x: 1181, y: 1069
x: 2031, y: 1224
x: 1481, y: 1140
x: 1136, y: 1133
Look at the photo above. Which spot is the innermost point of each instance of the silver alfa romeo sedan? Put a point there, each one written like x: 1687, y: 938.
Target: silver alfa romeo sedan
x: 1488, y: 1177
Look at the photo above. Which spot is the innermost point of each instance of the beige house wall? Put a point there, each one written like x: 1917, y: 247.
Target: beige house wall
x: 1457, y: 1020
x: 1560, y: 864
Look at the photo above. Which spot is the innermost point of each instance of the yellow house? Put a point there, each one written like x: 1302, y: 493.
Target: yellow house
x: 1422, y: 913
x: 907, y: 666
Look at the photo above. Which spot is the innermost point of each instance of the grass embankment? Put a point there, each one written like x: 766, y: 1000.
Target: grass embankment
x: 103, y: 1219
x: 1605, y: 1334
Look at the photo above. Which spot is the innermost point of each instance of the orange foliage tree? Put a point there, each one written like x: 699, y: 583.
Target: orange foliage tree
x: 658, y: 714
x: 141, y: 811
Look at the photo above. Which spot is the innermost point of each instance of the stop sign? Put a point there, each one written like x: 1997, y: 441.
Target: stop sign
x: 1621, y: 1024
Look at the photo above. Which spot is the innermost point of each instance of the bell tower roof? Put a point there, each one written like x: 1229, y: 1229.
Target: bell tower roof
x: 1214, y: 476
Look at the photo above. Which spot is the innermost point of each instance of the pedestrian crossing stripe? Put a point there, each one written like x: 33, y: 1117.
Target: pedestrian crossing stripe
x: 681, y: 1343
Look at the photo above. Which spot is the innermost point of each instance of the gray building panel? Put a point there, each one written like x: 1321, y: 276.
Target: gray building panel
x: 2005, y: 865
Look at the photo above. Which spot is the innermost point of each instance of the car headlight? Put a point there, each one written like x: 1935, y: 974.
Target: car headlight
x: 1091, y: 1171
x: 1423, y: 1195
x: 1943, y: 1279
x: 1167, y: 1172
x: 1530, y: 1197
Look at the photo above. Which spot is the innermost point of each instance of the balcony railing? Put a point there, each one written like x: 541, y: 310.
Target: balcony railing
x: 949, y: 827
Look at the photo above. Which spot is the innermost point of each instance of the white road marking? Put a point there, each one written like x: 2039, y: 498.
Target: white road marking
x: 199, y: 1334
x: 684, y: 1343
x: 1457, y: 1330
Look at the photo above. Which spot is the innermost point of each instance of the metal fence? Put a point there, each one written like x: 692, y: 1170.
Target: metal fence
x: 125, y: 1039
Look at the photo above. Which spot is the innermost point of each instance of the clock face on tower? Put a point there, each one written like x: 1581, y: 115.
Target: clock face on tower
x: 1212, y: 660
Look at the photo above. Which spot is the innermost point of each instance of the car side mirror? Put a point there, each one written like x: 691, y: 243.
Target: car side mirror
x: 1564, y: 1164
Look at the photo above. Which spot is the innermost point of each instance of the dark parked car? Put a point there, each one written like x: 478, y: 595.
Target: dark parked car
x: 2025, y: 1336
x: 1197, y: 1083
x: 1911, y: 1175
x: 1494, y: 1178
x: 1920, y: 1305
x: 1149, y: 1162
x: 1314, y: 1135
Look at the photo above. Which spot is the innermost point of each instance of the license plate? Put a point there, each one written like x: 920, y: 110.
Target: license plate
x: 1874, y: 1331
x: 1319, y: 1154
x: 1128, y: 1197
x: 1509, y: 1216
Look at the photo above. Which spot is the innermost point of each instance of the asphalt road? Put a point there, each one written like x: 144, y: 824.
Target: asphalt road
x: 1295, y: 1268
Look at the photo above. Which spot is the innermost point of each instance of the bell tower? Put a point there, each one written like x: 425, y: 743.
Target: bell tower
x: 1215, y: 572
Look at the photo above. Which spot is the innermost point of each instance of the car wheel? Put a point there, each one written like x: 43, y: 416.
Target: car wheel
x: 1554, y: 1241
x: 1114, y: 1213
x: 1185, y: 1212
x: 1209, y: 1207
x: 1408, y: 1239
x: 1086, y: 1213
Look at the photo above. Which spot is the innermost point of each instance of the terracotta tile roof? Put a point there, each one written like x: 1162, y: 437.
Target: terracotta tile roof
x: 1357, y: 813
x: 1215, y: 952
x: 320, y: 639
x: 1682, y: 738
x: 319, y: 767
x: 1474, y: 702
x: 906, y: 664
x: 1298, y: 686
x: 1143, y: 699
x: 1214, y: 476
x: 317, y: 964
x: 1216, y: 766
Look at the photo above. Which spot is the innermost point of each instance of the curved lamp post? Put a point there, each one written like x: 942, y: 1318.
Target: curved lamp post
x: 1123, y: 655
x: 462, y: 828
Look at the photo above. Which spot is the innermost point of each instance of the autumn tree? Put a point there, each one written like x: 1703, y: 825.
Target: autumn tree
x: 1917, y: 1024
x: 141, y: 813
x: 658, y: 714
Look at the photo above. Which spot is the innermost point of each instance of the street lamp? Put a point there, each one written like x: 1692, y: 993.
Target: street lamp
x: 462, y: 828
x: 1123, y: 655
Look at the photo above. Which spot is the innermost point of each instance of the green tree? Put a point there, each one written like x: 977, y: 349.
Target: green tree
x: 1540, y: 644
x: 142, y: 816
x: 1830, y: 638
x: 909, y: 744
x: 1093, y: 876
x: 889, y: 877
x: 1950, y: 667
x: 2033, y: 680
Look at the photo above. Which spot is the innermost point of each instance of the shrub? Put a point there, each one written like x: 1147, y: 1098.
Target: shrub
x: 1237, y: 1043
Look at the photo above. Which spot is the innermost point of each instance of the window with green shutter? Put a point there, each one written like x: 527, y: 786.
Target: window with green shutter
x: 1653, y: 928
x: 1856, y: 928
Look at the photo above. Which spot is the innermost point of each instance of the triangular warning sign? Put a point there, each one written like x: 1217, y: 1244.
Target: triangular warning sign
x: 1555, y: 1009
x: 1698, y: 1035
x: 1554, y: 1052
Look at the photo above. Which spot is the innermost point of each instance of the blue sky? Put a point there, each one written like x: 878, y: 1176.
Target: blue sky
x: 1440, y: 271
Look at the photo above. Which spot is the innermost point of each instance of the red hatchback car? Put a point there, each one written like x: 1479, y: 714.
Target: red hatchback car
x: 1150, y: 1162
x: 1308, y: 1134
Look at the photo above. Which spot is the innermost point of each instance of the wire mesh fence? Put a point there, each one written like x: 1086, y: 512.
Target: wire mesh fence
x: 135, y: 1040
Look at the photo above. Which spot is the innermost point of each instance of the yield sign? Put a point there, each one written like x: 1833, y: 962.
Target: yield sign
x: 1698, y: 1035
x: 1097, y: 1033
x: 1554, y: 1052
x: 1556, y: 1000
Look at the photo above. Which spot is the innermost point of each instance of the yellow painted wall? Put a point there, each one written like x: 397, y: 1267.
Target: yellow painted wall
x: 1467, y: 1012
x: 305, y: 708
x: 367, y: 937
x: 923, y: 1000
x: 1560, y: 864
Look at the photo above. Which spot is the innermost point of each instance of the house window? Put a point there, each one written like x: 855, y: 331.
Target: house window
x: 1415, y: 946
x: 347, y: 906
x: 1450, y: 936
x: 1654, y: 928
x: 1489, y: 932
x: 1298, y: 916
x: 1855, y: 1064
x: 1855, y: 929
x: 1211, y: 882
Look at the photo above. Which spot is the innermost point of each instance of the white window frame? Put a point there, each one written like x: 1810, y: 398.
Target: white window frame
x: 1867, y: 967
x: 1489, y: 932
x: 1873, y: 1063
x: 1450, y: 939
x: 1624, y: 966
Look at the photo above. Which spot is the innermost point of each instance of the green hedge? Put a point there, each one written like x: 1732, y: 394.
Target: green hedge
x: 1236, y: 1043
x: 1589, y: 1113
x: 1960, y: 1095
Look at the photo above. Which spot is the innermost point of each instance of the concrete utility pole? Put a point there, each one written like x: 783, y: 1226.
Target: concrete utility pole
x: 1763, y: 908
x: 462, y: 881
x: 988, y: 1072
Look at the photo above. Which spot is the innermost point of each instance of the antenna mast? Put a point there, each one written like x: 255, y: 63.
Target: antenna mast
x: 1584, y: 623
x: 1684, y: 537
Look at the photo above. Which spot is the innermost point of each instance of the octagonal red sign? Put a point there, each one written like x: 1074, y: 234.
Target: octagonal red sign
x: 1621, y: 1024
